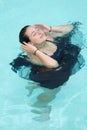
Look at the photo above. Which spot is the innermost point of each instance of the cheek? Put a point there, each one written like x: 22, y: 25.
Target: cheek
x: 44, y: 37
x: 35, y: 40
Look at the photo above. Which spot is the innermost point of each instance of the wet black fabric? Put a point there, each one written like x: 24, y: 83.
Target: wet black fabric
x: 55, y: 77
x: 20, y: 61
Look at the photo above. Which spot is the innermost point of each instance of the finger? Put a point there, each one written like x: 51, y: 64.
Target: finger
x: 23, y: 50
x: 39, y: 25
x: 24, y: 42
x: 24, y: 47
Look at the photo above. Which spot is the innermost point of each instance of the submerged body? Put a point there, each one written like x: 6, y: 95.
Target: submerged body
x: 52, y: 62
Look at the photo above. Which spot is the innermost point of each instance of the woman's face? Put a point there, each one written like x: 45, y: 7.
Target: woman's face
x: 35, y: 35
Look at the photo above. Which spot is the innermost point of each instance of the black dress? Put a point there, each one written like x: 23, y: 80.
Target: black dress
x: 68, y: 56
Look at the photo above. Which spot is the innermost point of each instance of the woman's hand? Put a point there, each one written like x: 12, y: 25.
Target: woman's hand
x: 27, y: 47
x: 44, y: 27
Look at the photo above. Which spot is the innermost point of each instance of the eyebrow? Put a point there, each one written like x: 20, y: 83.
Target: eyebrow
x: 32, y: 32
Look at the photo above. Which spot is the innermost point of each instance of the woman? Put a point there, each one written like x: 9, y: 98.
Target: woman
x: 49, y: 53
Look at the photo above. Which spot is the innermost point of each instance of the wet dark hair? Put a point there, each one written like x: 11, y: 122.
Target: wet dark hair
x: 22, y: 36
x: 21, y: 59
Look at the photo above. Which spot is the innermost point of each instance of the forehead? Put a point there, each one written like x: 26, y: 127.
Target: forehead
x: 29, y: 30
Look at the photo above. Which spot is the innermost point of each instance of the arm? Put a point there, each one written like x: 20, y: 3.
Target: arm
x: 55, y: 31
x: 45, y: 60
x: 61, y: 29
x: 39, y: 58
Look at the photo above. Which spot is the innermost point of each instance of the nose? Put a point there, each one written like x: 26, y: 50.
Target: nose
x: 39, y: 32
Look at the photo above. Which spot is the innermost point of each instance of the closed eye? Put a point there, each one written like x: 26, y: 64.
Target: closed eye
x: 33, y: 33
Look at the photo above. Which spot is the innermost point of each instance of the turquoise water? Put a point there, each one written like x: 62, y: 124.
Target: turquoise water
x: 23, y: 104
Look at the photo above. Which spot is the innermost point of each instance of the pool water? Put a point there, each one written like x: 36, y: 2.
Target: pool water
x: 24, y: 105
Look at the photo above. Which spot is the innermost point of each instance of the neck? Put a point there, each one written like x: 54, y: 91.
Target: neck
x: 42, y: 45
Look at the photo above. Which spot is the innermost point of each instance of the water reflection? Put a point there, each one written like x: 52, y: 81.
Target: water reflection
x: 41, y: 106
